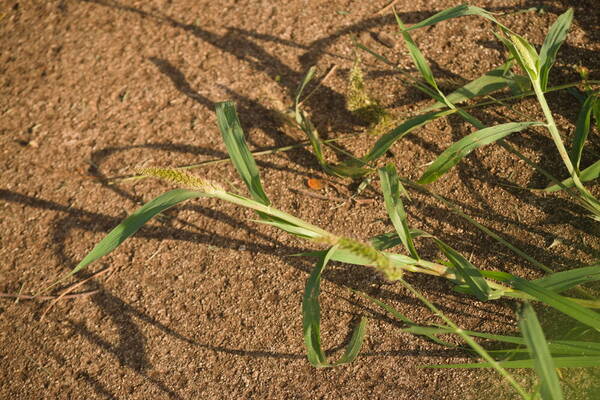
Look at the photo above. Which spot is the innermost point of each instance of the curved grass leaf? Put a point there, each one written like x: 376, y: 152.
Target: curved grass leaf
x: 526, y: 55
x: 307, y: 78
x: 311, y: 314
x: 538, y: 349
x: 561, y: 281
x: 240, y: 155
x: 455, y: 12
x: 582, y: 128
x: 418, y: 58
x: 589, y: 174
x: 490, y: 82
x: 392, y: 190
x: 561, y: 303
x: 386, y: 141
x: 554, y: 39
x: 467, y: 271
x: 453, y: 154
x: 131, y: 224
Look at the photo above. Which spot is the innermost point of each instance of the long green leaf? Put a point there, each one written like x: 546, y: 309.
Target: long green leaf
x: 392, y: 189
x: 490, y: 82
x: 242, y: 159
x: 561, y: 281
x: 559, y: 362
x: 467, y: 271
x: 418, y: 58
x: 453, y: 154
x: 589, y: 174
x: 311, y: 314
x: 557, y: 301
x: 131, y: 224
x: 554, y: 39
x: 386, y: 141
x: 455, y: 12
x: 538, y: 349
x: 582, y: 128
x: 307, y: 78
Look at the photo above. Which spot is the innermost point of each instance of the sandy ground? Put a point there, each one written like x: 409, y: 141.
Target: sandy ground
x: 205, y: 303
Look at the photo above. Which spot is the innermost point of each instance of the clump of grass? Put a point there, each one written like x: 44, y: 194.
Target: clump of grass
x: 532, y: 349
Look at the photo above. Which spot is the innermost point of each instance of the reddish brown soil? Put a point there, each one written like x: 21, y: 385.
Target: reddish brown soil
x: 206, y: 303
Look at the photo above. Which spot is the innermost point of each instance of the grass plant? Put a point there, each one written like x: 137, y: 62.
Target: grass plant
x: 532, y: 349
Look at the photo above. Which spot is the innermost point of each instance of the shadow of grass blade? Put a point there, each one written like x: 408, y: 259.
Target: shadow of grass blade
x: 429, y: 332
x: 538, y: 349
x: 582, y: 129
x: 233, y: 136
x: 386, y: 141
x: 311, y: 316
x: 589, y: 174
x: 133, y: 223
x: 554, y: 39
x: 392, y: 190
x: 467, y: 271
x: 458, y: 150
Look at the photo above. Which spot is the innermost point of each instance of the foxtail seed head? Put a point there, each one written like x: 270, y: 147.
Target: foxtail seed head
x: 182, y: 178
x: 380, y: 261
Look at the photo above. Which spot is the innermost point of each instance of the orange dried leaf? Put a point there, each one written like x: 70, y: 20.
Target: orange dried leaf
x: 315, y: 184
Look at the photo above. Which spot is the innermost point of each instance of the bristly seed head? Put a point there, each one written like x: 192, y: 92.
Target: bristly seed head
x: 382, y: 263
x: 182, y: 178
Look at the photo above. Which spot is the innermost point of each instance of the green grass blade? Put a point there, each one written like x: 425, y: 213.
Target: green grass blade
x: 589, y: 174
x: 133, y: 223
x: 559, y: 362
x: 289, y: 228
x: 307, y: 78
x: 558, y: 348
x: 417, y: 84
x: 561, y: 303
x: 386, y: 141
x: 453, y: 154
x: 311, y: 314
x: 523, y: 52
x: 454, y: 12
x: 392, y: 190
x: 490, y: 82
x: 596, y: 113
x: 582, y: 128
x: 554, y: 39
x: 418, y: 58
x: 242, y: 159
x: 561, y: 281
x: 538, y: 349
x: 467, y: 271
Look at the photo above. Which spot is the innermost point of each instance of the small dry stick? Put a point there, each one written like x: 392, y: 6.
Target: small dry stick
x: 386, y: 8
x: 73, y: 287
